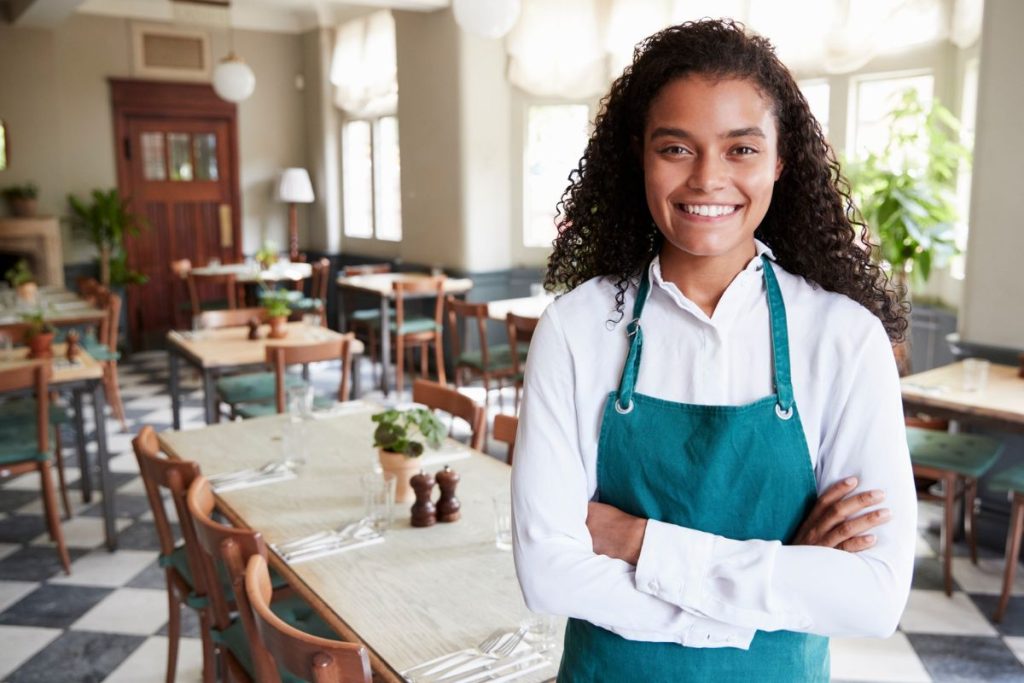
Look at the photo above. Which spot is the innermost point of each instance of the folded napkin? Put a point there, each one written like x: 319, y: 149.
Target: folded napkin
x: 284, y: 474
x: 340, y: 547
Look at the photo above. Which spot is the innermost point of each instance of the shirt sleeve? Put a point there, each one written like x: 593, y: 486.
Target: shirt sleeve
x: 766, y: 585
x: 558, y: 571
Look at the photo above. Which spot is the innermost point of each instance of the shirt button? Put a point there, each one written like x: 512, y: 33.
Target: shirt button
x: 654, y: 586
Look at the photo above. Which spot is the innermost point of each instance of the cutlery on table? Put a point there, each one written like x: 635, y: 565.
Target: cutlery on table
x: 342, y: 532
x: 306, y: 554
x: 268, y: 468
x: 439, y: 664
x: 484, y: 671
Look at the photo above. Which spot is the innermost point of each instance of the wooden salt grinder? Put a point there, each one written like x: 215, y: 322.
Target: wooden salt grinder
x: 73, y: 350
x: 254, y: 328
x: 448, y: 505
x: 423, y: 511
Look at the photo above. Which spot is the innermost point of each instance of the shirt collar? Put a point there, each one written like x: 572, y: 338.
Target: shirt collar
x: 754, y: 265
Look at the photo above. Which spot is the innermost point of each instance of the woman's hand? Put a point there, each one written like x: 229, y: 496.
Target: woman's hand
x: 831, y: 522
x: 616, y: 533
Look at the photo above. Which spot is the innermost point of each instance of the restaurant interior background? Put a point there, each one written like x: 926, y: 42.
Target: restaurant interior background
x: 431, y: 147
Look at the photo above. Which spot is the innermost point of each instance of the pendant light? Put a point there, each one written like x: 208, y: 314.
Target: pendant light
x: 233, y: 79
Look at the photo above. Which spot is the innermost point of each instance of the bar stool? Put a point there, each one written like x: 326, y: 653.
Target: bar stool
x: 958, y: 461
x: 1011, y: 481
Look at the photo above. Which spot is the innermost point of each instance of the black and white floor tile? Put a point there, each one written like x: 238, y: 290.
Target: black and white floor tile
x: 107, y: 621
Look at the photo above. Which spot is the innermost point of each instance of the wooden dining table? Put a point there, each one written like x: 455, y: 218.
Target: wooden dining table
x: 940, y: 393
x: 84, y: 376
x: 420, y: 594
x: 59, y: 307
x: 524, y: 307
x: 246, y: 274
x: 214, y: 353
x: 381, y: 285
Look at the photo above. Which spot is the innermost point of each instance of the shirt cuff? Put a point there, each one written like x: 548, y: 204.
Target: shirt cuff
x: 713, y: 634
x: 674, y: 562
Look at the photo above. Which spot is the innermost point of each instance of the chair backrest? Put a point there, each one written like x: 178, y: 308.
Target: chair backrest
x: 110, y: 325
x: 181, y: 268
x: 441, y: 397
x: 366, y: 269
x: 520, y: 330
x: 227, y: 280
x: 33, y: 375
x: 280, y: 356
x: 309, y: 657
x: 505, y: 427
x: 239, y: 317
x: 476, y: 311
x: 433, y: 284
x: 319, y: 280
x: 87, y: 287
x: 175, y: 476
x: 230, y: 548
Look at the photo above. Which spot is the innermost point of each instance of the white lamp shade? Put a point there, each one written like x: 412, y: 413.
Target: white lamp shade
x: 295, y: 186
x: 233, y: 80
x: 487, y: 18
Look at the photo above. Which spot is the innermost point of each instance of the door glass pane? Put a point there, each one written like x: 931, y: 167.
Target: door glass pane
x: 389, y: 186
x: 153, y: 156
x: 180, y: 158
x: 556, y: 136
x: 357, y: 178
x: 205, y: 156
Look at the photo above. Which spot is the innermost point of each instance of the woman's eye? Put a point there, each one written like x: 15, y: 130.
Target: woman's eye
x: 744, y: 150
x: 674, y: 149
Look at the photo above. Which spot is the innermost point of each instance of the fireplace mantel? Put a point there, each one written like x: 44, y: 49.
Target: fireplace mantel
x: 39, y: 238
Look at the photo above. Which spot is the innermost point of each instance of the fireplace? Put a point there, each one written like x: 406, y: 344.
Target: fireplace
x: 37, y: 240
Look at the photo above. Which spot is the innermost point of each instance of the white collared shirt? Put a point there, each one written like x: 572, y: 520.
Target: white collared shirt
x: 692, y: 587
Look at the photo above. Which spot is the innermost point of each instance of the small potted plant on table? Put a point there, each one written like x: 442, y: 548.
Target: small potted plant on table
x: 275, y: 303
x: 39, y: 335
x: 398, y: 450
x: 22, y: 199
x: 24, y: 282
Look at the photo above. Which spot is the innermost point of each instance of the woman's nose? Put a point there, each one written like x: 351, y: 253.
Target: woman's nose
x: 708, y: 173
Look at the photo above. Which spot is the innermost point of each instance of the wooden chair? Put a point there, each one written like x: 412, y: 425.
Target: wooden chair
x: 490, y: 362
x: 181, y: 563
x: 1011, y: 481
x: 181, y: 296
x: 316, y: 302
x: 225, y: 280
x: 227, y: 550
x: 420, y: 331
x: 505, y: 428
x: 360, y: 320
x: 25, y: 444
x: 239, y: 317
x: 280, y: 356
x: 520, y: 331
x: 958, y: 461
x: 439, y: 397
x: 106, y: 353
x: 305, y: 656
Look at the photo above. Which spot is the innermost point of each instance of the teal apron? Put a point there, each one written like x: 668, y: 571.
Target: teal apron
x: 742, y: 472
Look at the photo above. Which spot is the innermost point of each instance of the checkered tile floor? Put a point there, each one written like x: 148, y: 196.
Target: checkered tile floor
x: 107, y: 621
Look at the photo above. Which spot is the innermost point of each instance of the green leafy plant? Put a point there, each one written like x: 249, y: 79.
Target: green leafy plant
x: 396, y: 429
x: 106, y: 221
x: 23, y: 191
x: 266, y: 256
x: 37, y: 324
x: 275, y: 303
x: 906, y: 193
x: 19, y: 274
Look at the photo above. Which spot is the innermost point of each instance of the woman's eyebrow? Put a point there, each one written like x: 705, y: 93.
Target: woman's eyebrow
x: 668, y: 132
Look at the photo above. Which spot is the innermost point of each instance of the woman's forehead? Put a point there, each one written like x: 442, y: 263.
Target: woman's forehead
x: 708, y: 104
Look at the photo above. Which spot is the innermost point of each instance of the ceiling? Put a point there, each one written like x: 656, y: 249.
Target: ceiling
x: 288, y: 16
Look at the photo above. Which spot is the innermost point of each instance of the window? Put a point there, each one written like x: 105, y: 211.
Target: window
x: 816, y: 93
x: 371, y: 179
x: 968, y: 119
x: 872, y: 99
x: 556, y: 136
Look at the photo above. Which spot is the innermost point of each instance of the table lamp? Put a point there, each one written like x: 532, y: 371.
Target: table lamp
x: 294, y: 187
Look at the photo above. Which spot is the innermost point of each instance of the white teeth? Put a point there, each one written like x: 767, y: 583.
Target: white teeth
x: 709, y: 209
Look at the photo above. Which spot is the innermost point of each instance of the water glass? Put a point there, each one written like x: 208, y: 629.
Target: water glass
x: 300, y: 403
x: 197, y: 327
x: 502, y: 523
x: 378, y: 499
x: 214, y: 263
x: 311, y: 320
x: 6, y: 347
x: 975, y: 374
x: 294, y: 443
x: 540, y: 631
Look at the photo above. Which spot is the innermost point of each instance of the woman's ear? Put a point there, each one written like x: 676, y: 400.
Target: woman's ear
x: 779, y: 167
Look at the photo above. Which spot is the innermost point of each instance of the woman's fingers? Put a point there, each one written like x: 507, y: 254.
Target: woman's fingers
x: 857, y: 543
x: 832, y: 494
x: 855, y: 527
x: 839, y: 512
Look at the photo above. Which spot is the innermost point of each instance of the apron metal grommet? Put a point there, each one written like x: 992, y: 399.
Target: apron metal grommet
x: 783, y: 414
x: 624, y: 411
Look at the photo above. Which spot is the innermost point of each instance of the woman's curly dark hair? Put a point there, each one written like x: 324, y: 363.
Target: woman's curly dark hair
x: 605, y: 226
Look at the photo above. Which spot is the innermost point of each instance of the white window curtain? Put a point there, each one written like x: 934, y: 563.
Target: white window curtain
x: 363, y: 67
x: 573, y: 48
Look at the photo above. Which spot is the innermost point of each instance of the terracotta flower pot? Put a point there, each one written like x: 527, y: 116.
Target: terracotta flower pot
x: 404, y: 469
x: 27, y: 292
x: 41, y: 345
x: 23, y: 207
x: 278, y: 327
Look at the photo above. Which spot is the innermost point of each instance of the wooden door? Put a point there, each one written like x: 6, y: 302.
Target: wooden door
x: 177, y: 163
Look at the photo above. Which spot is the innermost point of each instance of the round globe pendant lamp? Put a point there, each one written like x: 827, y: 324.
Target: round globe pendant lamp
x: 233, y: 79
x: 487, y: 18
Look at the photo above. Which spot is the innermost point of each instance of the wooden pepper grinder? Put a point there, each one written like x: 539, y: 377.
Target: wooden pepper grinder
x: 423, y: 511
x: 448, y: 505
x: 254, y: 328
x: 73, y: 350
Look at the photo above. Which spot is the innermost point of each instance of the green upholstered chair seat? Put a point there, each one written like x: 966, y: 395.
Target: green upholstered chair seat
x: 24, y: 409
x: 970, y: 455
x: 1011, y: 479
x: 308, y: 304
x: 499, y: 357
x: 210, y: 305
x: 178, y: 559
x: 255, y: 387
x: 101, y: 352
x: 251, y: 410
x: 291, y: 295
x: 409, y: 325
x: 18, y: 442
x: 367, y: 314
x: 295, y: 612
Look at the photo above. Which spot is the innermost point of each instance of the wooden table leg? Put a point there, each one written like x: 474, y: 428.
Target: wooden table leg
x: 83, y: 453
x: 970, y: 518
x: 385, y: 344
x: 174, y: 386
x: 210, y: 397
x: 1012, y: 553
x: 102, y: 460
x: 949, y: 499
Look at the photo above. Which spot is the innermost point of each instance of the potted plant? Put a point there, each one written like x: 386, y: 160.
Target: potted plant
x: 277, y: 307
x: 22, y: 279
x: 266, y: 256
x: 22, y: 199
x: 39, y: 335
x: 398, y: 448
x: 106, y: 221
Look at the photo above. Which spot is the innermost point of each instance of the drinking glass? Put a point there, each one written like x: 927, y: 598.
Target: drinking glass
x: 502, y: 523
x: 975, y: 374
x: 311, y: 320
x: 540, y: 631
x: 378, y: 499
x: 300, y: 403
x: 6, y: 346
x: 197, y: 327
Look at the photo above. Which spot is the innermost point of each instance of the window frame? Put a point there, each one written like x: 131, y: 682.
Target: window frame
x: 376, y: 156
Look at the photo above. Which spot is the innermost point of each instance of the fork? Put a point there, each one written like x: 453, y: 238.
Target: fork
x: 444, y: 662
x: 318, y: 536
x: 266, y: 468
x: 499, y: 653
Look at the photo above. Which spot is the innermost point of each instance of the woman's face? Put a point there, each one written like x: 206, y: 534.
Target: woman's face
x: 710, y: 155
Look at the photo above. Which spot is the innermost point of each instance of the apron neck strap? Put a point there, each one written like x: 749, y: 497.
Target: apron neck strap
x: 624, y: 404
x: 780, y: 336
